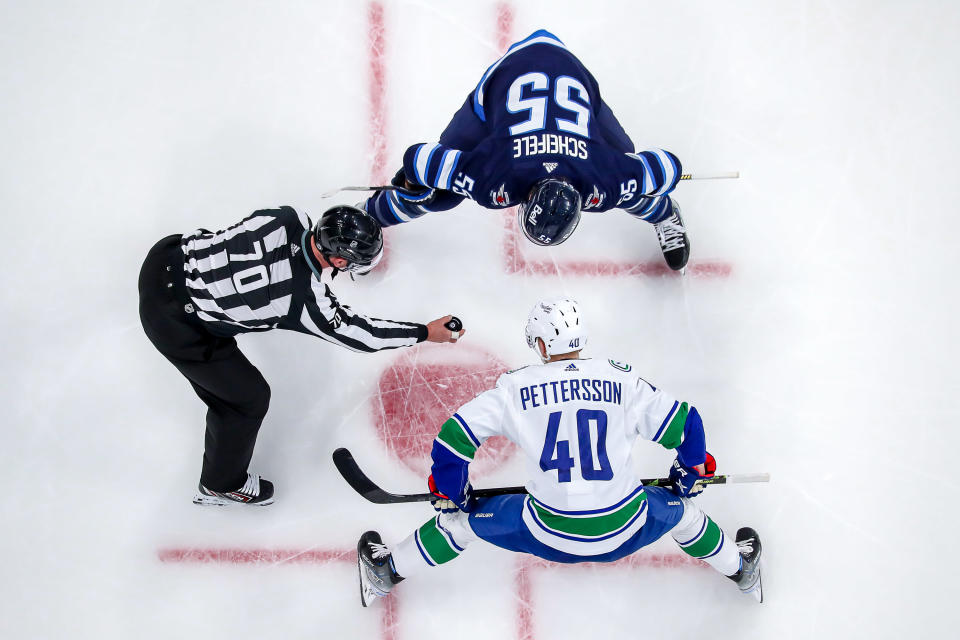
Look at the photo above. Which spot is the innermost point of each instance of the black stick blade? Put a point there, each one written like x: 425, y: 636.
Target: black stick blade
x: 356, y: 478
x: 351, y: 472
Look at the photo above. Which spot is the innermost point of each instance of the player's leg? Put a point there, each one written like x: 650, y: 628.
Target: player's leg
x: 237, y: 398
x: 700, y: 537
x: 438, y: 541
x: 664, y: 213
x: 236, y: 394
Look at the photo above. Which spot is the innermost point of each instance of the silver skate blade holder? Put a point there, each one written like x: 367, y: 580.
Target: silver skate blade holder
x: 720, y: 175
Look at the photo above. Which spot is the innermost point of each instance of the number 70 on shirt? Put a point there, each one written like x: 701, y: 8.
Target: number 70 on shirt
x: 592, y: 445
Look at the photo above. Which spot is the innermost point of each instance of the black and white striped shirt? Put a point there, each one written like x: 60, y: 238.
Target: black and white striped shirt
x: 261, y: 274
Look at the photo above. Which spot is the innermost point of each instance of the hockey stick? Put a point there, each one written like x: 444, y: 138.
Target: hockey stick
x: 356, y: 478
x: 686, y: 176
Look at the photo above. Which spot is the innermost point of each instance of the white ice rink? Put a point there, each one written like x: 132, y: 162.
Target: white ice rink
x: 815, y: 329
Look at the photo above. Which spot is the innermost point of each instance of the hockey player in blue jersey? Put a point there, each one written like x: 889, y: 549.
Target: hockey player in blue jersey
x: 576, y: 420
x: 535, y: 133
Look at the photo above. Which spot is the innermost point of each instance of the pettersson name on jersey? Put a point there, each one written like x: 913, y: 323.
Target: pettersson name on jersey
x: 550, y: 143
x: 558, y: 391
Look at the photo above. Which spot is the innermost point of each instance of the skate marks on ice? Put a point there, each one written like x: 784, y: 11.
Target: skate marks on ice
x: 421, y: 389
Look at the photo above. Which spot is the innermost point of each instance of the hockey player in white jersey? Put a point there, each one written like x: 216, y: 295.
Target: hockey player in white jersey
x: 576, y: 420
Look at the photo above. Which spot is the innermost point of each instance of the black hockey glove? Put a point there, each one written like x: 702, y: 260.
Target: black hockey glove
x: 411, y: 192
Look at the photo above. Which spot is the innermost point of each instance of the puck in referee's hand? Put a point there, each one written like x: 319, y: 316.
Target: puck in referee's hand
x: 453, y: 324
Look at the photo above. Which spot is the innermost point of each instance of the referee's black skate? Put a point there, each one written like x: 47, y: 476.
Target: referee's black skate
x: 748, y: 577
x: 375, y: 565
x: 255, y: 491
x: 674, y: 243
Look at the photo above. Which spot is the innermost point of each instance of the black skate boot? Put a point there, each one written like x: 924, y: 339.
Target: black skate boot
x: 673, y: 239
x: 375, y: 565
x: 255, y: 491
x: 748, y: 577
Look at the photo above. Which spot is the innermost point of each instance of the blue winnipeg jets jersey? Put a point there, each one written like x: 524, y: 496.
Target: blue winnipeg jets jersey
x: 536, y: 112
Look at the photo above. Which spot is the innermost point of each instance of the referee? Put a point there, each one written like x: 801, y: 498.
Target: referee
x: 268, y: 271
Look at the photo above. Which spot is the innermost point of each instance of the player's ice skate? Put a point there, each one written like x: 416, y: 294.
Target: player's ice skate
x: 255, y: 491
x: 674, y: 243
x: 748, y: 577
x: 374, y: 566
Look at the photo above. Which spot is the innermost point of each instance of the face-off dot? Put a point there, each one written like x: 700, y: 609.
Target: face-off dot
x: 421, y: 389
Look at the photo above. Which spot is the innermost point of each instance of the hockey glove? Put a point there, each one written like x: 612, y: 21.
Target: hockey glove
x: 411, y: 192
x: 684, y: 479
x: 444, y: 504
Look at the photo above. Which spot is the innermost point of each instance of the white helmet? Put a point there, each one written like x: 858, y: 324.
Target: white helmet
x: 557, y: 322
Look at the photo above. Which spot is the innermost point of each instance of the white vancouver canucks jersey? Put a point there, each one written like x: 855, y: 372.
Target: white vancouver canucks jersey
x: 576, y: 422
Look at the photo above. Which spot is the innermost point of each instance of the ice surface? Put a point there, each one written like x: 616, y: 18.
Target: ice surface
x: 815, y: 331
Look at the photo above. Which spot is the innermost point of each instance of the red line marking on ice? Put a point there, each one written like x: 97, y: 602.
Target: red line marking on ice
x: 515, y: 263
x: 504, y: 25
x: 390, y: 612
x: 390, y: 618
x: 527, y: 564
x: 524, y: 595
x: 390, y: 607
x: 378, y: 111
x: 201, y: 555
x: 377, y: 37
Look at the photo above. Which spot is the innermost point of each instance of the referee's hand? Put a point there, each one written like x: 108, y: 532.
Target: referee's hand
x: 439, y: 331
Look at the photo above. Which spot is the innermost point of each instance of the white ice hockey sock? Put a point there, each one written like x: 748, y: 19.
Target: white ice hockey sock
x: 439, y: 540
x: 700, y: 537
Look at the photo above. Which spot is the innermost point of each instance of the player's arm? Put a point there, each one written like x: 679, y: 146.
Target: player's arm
x: 456, y: 445
x: 408, y: 201
x: 431, y: 180
x: 671, y: 423
x: 433, y: 165
x: 639, y: 180
x: 676, y: 425
x: 323, y: 316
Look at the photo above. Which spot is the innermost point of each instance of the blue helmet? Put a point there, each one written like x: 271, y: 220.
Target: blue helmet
x: 550, y: 213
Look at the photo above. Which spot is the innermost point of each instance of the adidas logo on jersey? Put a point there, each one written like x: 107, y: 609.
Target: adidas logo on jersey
x: 550, y: 166
x: 294, y: 248
x: 571, y: 367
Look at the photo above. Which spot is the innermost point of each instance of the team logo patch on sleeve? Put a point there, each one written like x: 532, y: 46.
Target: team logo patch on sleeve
x: 622, y: 366
x: 595, y: 199
x: 500, y: 198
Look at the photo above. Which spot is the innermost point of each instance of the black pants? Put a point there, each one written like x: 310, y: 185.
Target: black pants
x: 236, y: 394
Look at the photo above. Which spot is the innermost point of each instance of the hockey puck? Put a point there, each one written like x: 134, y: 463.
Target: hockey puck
x: 453, y: 324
